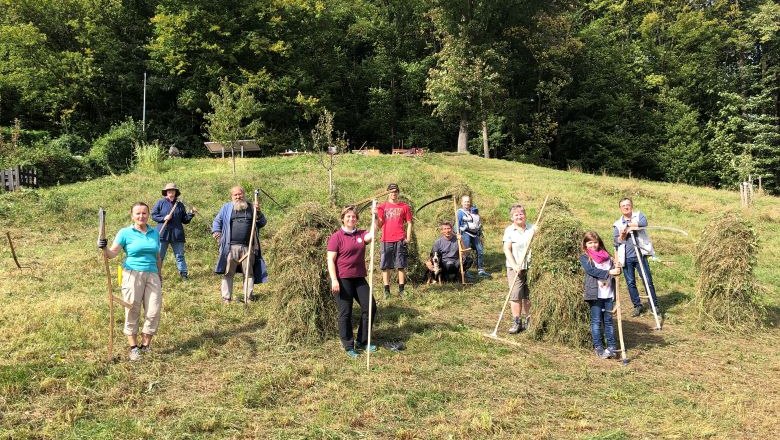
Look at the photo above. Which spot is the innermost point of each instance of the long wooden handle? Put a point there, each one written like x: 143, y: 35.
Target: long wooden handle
x: 460, y: 242
x: 371, y: 284
x: 102, y: 236
x: 169, y: 219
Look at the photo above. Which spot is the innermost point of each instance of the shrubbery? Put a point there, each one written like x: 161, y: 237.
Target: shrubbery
x: 55, y: 164
x: 73, y: 143
x: 113, y: 152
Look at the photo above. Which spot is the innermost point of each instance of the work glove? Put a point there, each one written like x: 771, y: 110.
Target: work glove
x: 102, y: 243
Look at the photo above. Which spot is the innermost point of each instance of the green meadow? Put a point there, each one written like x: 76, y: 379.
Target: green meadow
x: 214, y: 372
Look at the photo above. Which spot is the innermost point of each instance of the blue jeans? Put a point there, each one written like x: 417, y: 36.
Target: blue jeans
x: 476, y: 244
x: 178, y: 251
x: 628, y: 272
x: 602, y: 309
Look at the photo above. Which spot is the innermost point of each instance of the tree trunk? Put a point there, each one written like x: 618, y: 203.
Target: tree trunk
x: 463, y: 135
x: 485, y: 147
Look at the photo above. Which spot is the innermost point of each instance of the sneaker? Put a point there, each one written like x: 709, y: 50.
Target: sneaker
x: 184, y: 276
x: 610, y: 353
x: 352, y: 353
x: 526, y: 322
x: 600, y: 352
x: 359, y: 346
x: 225, y: 301
x: 145, y: 349
x: 637, y: 310
x: 483, y: 273
x: 517, y: 326
x: 135, y: 354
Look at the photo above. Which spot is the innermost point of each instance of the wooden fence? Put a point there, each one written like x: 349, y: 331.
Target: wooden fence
x: 18, y: 177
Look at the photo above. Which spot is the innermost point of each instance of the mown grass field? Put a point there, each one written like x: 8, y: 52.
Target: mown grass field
x: 214, y: 373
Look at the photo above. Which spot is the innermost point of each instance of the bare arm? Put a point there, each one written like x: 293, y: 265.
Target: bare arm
x: 112, y: 251
x: 334, y: 281
x: 509, y: 257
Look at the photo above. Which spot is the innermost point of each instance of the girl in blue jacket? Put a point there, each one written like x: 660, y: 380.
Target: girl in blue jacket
x: 599, y: 292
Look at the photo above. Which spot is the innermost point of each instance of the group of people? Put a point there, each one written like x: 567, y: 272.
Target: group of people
x: 145, y: 248
x: 236, y: 229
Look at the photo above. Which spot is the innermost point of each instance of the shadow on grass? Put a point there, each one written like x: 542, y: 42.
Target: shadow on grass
x: 220, y: 337
x: 674, y: 299
x: 410, y: 324
x: 772, y: 316
x: 639, y: 334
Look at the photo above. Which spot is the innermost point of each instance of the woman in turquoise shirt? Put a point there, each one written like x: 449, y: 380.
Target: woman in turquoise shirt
x: 141, y: 277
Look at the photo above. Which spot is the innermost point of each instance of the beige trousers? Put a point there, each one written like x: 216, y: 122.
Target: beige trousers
x: 142, y: 288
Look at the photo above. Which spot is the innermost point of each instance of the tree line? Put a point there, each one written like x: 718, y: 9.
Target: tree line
x: 681, y: 91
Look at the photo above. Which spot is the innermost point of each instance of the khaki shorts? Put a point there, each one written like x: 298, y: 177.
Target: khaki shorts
x: 520, y: 289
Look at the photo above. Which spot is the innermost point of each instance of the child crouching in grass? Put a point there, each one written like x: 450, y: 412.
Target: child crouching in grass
x: 599, y: 292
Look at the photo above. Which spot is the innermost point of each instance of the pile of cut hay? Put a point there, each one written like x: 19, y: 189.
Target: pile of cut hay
x: 558, y: 312
x: 415, y: 266
x: 302, y: 309
x: 726, y: 292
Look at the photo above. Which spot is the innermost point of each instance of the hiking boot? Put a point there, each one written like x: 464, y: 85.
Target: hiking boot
x: 135, y: 354
x: 184, y: 276
x: 145, y: 349
x: 359, y: 346
x: 637, y: 310
x: 599, y: 352
x: 517, y: 326
x: 610, y: 353
x: 484, y: 274
x: 352, y: 353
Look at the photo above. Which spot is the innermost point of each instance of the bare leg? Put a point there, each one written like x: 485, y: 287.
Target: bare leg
x: 401, y: 276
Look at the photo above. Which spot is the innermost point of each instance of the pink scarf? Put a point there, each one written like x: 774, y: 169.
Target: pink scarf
x: 599, y: 256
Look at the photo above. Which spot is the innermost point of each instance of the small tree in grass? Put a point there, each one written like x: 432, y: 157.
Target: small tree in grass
x: 328, y: 147
x: 232, y: 118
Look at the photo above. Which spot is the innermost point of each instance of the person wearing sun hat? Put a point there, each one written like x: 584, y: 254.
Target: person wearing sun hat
x: 171, y: 215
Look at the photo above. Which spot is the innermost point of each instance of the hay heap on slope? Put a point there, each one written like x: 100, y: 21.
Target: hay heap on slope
x: 558, y: 312
x: 302, y: 309
x: 726, y: 291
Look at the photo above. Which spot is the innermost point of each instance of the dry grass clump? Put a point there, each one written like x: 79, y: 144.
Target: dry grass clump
x: 558, y: 312
x: 726, y: 291
x: 302, y: 309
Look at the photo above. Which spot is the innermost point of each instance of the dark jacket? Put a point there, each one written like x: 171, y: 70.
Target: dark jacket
x: 592, y: 276
x: 174, y: 231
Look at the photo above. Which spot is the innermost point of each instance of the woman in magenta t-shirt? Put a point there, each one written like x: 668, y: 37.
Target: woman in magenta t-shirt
x: 347, y: 269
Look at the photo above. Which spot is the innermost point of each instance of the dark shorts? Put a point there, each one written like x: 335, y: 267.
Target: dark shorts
x: 393, y: 255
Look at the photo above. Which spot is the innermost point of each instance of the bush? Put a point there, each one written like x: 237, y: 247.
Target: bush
x: 73, y: 143
x: 113, y: 152
x: 55, y: 165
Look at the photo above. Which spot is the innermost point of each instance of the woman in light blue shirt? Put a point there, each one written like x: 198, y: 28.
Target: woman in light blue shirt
x: 141, y: 277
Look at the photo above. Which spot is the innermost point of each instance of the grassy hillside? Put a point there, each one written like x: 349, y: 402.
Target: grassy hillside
x: 214, y: 373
